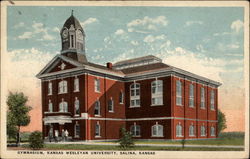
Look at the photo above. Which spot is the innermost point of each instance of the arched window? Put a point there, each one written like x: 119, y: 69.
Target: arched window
x: 156, y: 92
x: 97, y: 108
x: 135, y: 95
x: 50, y: 106
x: 203, y: 130
x: 77, y: 130
x: 63, y: 88
x: 212, y: 131
x: 76, y: 84
x: 202, y: 98
x: 135, y: 130
x: 121, y: 97
x: 97, y: 130
x: 97, y: 85
x: 157, y: 130
x: 77, y: 106
x: 63, y: 106
x: 50, y: 88
x: 178, y: 130
x: 178, y: 93
x: 212, y: 100
x: 191, y: 130
x: 111, y: 105
x: 191, y: 95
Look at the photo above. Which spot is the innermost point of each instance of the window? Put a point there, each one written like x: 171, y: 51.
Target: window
x: 97, y: 130
x: 135, y: 95
x: 72, y: 40
x: 178, y: 93
x: 97, y: 108
x: 135, y: 130
x: 212, y: 131
x: 178, y: 130
x: 63, y: 88
x: 191, y: 130
x: 121, y: 98
x: 97, y: 85
x: 63, y: 106
x: 203, y: 130
x: 191, y: 95
x: 111, y: 105
x: 202, y: 98
x: 77, y: 106
x: 50, y: 106
x: 76, y: 84
x: 212, y: 100
x: 50, y: 88
x: 157, y: 130
x: 156, y: 92
x: 77, y: 130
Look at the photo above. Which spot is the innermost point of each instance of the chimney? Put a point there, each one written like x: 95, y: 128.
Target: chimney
x: 109, y: 65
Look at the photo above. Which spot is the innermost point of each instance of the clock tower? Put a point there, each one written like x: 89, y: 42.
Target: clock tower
x: 73, y: 39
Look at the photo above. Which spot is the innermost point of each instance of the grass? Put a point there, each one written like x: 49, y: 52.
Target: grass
x: 109, y: 147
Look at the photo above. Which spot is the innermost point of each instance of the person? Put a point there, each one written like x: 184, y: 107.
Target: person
x: 50, y: 134
x: 66, y: 134
x: 63, y: 135
x: 56, y: 135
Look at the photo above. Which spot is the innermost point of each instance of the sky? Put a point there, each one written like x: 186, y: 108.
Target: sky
x: 208, y: 41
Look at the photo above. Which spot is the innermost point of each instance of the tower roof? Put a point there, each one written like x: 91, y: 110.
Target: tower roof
x: 73, y: 21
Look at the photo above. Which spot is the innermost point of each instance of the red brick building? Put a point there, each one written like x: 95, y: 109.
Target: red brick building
x: 151, y: 99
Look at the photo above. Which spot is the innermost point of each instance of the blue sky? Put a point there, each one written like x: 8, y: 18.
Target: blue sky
x: 204, y: 40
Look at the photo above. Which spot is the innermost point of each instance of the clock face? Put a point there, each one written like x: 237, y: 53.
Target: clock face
x: 65, y: 33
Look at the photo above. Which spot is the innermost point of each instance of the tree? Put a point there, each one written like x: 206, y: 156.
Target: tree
x: 126, y: 140
x: 36, y: 140
x: 11, y: 128
x: 17, y: 113
x: 221, y: 121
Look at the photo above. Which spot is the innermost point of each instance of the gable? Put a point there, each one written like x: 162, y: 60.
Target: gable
x: 60, y: 65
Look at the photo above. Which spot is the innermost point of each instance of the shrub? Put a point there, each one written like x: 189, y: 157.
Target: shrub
x: 126, y: 140
x: 36, y: 140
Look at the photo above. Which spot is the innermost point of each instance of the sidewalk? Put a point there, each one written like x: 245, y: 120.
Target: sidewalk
x: 160, y: 145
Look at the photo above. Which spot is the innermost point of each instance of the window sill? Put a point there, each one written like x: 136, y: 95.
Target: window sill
x: 97, y: 91
x: 157, y: 136
x: 76, y: 136
x: 135, y: 106
x: 97, y: 136
x: 212, y: 135
x: 203, y: 135
x: 121, y: 103
x: 191, y: 106
x: 137, y: 136
x: 212, y: 109
x: 76, y: 115
x: 191, y: 135
x: 49, y: 94
x: 179, y: 105
x: 111, y: 111
x: 155, y: 105
x: 76, y: 91
x: 97, y: 115
x: 179, y: 135
x: 203, y: 108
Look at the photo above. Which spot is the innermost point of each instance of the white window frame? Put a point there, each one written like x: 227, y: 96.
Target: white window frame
x: 157, y: 96
x: 135, y: 128
x: 98, y: 106
x: 191, y: 95
x: 111, y: 101
x: 157, y: 129
x: 179, y: 93
x: 136, y: 97
x: 212, y: 100
x: 202, y: 94
x: 77, y: 104
x: 50, y: 88
x: 63, y: 106
x: 191, y: 130
x: 62, y: 87
x: 121, y: 97
x: 97, y: 85
x: 97, y: 125
x: 203, y: 130
x: 179, y: 130
x: 50, y: 106
x: 75, y: 134
x: 76, y: 84
x: 212, y: 131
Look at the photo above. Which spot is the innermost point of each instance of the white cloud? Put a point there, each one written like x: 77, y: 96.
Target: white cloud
x: 151, y: 38
x: 119, y: 32
x: 56, y: 29
x: 46, y: 36
x: 19, y: 25
x: 146, y: 24
x: 233, y: 46
x: 189, y: 23
x: 200, y: 48
x: 221, y: 34
x: 38, y: 28
x: 88, y: 21
x: 237, y: 25
x: 25, y: 35
x: 135, y: 43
